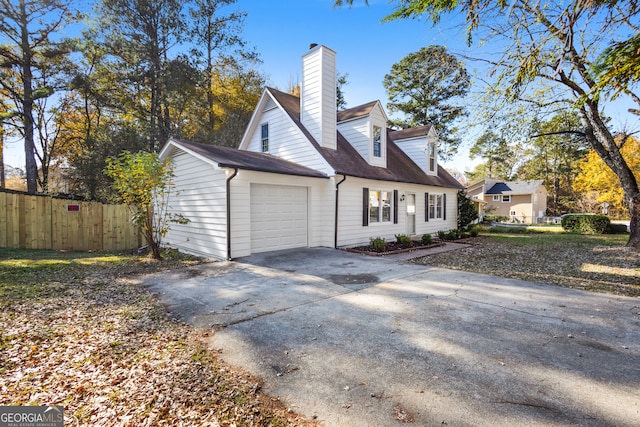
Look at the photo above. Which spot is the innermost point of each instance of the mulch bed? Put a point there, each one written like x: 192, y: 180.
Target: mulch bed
x: 393, y: 248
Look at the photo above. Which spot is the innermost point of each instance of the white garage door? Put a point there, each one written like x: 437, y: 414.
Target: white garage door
x: 278, y: 217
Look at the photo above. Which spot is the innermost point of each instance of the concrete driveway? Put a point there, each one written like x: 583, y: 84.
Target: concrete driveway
x: 351, y: 340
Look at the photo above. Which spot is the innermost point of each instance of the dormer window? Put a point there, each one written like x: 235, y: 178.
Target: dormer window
x: 431, y: 149
x: 377, y: 141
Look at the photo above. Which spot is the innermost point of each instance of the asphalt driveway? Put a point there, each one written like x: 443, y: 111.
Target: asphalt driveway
x: 352, y: 340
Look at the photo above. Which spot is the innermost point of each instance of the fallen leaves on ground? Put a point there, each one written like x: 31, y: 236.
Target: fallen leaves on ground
x: 585, y: 262
x: 89, y: 339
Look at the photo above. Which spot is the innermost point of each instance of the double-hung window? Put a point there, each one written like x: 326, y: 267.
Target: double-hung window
x: 431, y: 149
x: 265, y: 138
x: 506, y: 198
x: 377, y: 141
x: 435, y: 206
x: 380, y: 204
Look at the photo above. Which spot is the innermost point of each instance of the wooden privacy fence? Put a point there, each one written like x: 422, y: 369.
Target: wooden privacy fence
x: 44, y: 222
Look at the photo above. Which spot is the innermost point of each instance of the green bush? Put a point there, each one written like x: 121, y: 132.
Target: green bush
x: 496, y: 218
x: 586, y: 223
x: 618, y: 229
x: 451, y: 235
x: 467, y: 212
x: 441, y: 234
x: 378, y: 244
x: 403, y: 239
x: 505, y: 229
x: 473, y: 232
x: 427, y: 239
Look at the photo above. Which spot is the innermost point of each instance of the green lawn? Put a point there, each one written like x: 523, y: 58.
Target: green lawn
x: 546, y: 254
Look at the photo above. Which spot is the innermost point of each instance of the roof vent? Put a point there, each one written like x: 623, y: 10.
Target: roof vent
x: 312, y: 45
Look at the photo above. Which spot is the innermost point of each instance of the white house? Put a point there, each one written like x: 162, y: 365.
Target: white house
x: 306, y: 175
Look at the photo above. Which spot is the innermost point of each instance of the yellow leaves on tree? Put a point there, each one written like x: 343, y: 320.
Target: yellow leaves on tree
x: 143, y: 182
x: 596, y: 180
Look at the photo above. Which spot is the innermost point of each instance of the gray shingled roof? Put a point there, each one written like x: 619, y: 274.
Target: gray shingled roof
x: 515, y: 187
x: 345, y: 160
x: 249, y: 160
x: 407, y: 133
x: 359, y: 111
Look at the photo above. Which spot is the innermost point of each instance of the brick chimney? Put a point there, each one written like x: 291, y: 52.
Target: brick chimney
x: 318, y: 94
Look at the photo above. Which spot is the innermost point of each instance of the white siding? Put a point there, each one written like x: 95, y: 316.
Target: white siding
x: 318, y: 95
x: 199, y: 195
x: 287, y: 141
x: 416, y: 149
x: 357, y: 133
x: 351, y: 232
x: 320, y: 199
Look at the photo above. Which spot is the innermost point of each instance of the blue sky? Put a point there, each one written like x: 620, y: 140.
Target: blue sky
x: 281, y: 32
x: 366, y: 47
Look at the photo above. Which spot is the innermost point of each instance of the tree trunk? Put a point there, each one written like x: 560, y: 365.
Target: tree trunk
x: 634, y: 212
x: 29, y: 145
x: 603, y: 142
x: 149, y: 234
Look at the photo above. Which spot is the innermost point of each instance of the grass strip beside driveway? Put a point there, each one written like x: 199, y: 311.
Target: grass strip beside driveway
x: 592, y: 262
x: 76, y: 331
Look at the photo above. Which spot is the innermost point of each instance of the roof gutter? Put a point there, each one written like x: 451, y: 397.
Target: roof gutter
x: 235, y: 172
x: 335, y: 235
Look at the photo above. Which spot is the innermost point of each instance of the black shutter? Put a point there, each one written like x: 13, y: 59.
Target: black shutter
x: 444, y: 207
x: 365, y: 207
x: 426, y: 207
x: 395, y: 206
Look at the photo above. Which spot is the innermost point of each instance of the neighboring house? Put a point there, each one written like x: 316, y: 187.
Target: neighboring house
x: 519, y: 201
x: 307, y: 176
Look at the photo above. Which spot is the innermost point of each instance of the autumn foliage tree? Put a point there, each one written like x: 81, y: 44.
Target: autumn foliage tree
x: 598, y: 184
x: 144, y: 183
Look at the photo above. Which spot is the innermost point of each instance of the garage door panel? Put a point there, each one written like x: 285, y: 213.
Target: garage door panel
x: 279, y: 218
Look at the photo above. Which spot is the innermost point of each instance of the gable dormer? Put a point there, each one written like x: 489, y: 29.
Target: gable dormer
x: 365, y: 129
x: 421, y: 145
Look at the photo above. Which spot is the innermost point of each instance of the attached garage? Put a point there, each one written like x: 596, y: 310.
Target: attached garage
x: 279, y: 217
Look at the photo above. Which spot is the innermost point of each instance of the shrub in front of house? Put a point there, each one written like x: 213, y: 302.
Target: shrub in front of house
x: 451, y: 235
x: 426, y: 239
x: 378, y: 244
x: 586, y: 223
x: 467, y: 211
x: 441, y: 234
x: 403, y: 240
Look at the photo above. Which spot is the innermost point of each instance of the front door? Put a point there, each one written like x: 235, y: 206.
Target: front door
x: 411, y: 213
